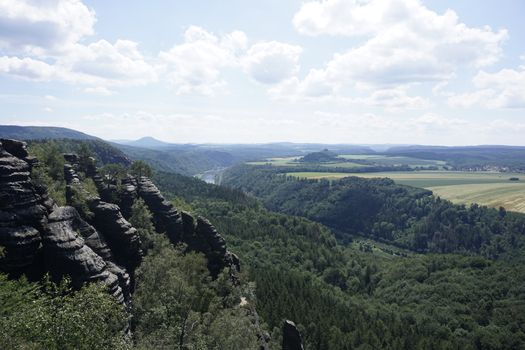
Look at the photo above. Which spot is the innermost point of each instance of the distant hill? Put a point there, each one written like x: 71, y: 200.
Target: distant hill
x: 468, y: 157
x: 42, y: 132
x: 144, y: 142
x: 182, y: 161
x: 324, y: 156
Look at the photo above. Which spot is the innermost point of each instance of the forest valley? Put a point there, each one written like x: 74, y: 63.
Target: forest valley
x: 103, y: 253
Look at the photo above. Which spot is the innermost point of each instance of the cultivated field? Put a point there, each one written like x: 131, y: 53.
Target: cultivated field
x: 485, y: 188
x: 366, y: 160
x: 511, y: 196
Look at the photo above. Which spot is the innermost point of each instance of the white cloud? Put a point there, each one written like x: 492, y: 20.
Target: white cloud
x: 404, y: 43
x: 27, y: 68
x: 272, y: 62
x: 437, y: 121
x: 99, y: 90
x: 502, y: 89
x: 41, y: 41
x: 394, y: 99
x: 336, y: 17
x: 315, y: 88
x: 195, y: 65
x: 120, y: 63
x: 43, y: 26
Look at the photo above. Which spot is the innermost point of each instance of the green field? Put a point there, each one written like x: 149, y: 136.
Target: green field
x: 285, y: 161
x: 371, y: 160
x: 387, y: 160
x: 486, y: 188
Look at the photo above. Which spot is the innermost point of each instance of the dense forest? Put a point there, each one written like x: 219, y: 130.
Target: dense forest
x: 406, y: 270
x: 364, y: 294
x: 380, y: 209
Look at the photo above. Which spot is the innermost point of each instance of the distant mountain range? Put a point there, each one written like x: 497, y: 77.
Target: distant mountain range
x: 190, y: 159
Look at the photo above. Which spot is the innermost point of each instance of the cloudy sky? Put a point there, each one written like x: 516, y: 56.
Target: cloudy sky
x: 348, y: 71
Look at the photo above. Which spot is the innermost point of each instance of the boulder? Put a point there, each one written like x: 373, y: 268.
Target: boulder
x: 291, y: 337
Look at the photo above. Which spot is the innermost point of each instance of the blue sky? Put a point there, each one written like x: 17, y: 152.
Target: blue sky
x: 334, y: 71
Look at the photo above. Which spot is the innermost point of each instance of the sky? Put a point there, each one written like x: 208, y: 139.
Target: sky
x: 234, y: 71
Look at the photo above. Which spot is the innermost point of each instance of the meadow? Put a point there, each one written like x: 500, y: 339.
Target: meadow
x: 486, y: 188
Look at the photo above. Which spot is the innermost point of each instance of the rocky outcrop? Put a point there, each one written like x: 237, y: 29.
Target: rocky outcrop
x: 199, y: 235
x: 128, y: 196
x: 39, y: 237
x: 291, y: 337
x: 23, y: 209
x: 94, y: 240
x: 67, y: 254
x: 207, y: 240
x: 165, y: 216
x: 122, y: 238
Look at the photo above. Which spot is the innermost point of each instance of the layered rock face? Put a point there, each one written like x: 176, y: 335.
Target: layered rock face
x: 291, y: 337
x: 39, y: 237
x: 120, y: 241
x: 94, y: 240
x: 199, y: 235
x: 23, y: 211
x: 128, y: 196
x: 166, y: 217
x: 66, y: 253
x: 121, y: 237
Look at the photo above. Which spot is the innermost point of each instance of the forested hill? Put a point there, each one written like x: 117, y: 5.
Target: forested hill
x: 468, y: 157
x: 42, y: 132
x: 103, y: 152
x: 378, y: 208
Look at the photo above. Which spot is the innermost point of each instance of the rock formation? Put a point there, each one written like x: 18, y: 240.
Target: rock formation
x: 121, y: 237
x: 94, y: 240
x: 22, y: 209
x: 65, y: 253
x: 39, y: 237
x: 166, y: 217
x: 291, y: 337
x: 128, y: 196
x: 118, y: 242
x: 199, y: 235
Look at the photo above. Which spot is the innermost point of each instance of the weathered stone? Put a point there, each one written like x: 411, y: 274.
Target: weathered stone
x: 207, y: 240
x: 199, y: 235
x: 71, y: 158
x: 66, y: 254
x: 121, y: 237
x: 128, y: 195
x: 291, y: 337
x: 22, y: 210
x: 15, y: 147
x: 165, y: 216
